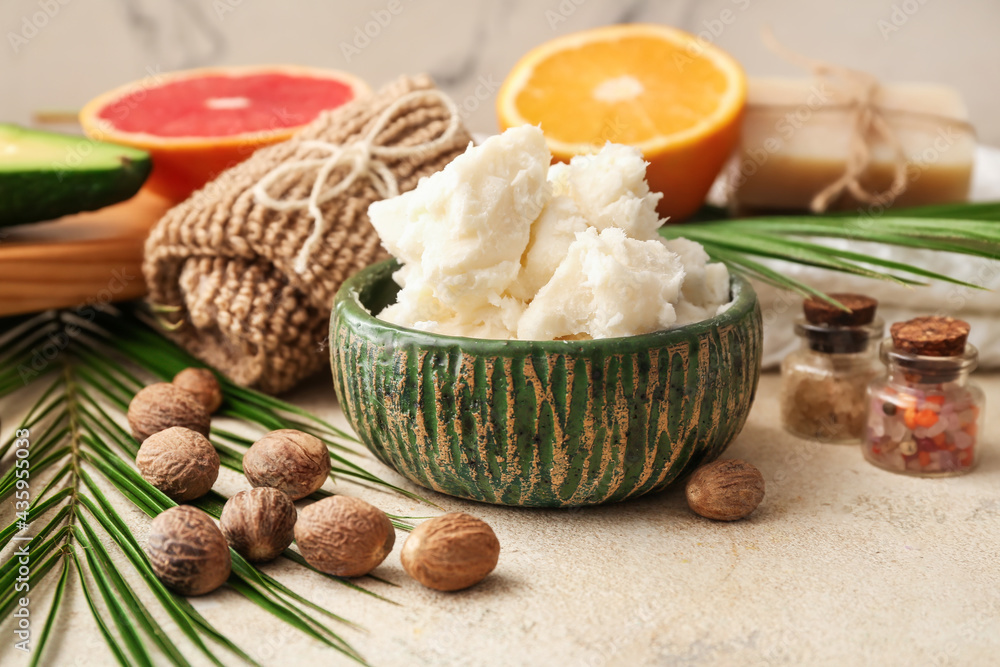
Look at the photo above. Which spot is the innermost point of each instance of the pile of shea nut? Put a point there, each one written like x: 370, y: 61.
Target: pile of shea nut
x: 499, y: 244
x: 339, y: 535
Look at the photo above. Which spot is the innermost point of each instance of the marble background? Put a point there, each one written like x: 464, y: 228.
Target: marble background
x: 88, y: 46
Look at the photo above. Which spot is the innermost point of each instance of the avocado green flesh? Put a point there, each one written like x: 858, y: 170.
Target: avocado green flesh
x: 45, y: 175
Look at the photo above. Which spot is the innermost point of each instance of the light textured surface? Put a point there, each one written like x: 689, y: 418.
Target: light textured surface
x: 841, y: 564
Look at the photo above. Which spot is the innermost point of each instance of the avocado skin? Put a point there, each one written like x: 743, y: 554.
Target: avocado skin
x: 36, y: 195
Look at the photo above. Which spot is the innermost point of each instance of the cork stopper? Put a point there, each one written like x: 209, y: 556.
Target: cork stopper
x: 862, y: 312
x: 931, y: 336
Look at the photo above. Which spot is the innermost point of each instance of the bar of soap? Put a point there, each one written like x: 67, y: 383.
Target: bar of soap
x: 797, y: 136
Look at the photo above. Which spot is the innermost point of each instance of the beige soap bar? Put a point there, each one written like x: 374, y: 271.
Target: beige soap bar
x: 797, y: 138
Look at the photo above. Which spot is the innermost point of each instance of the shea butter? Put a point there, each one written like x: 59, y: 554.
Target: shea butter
x: 607, y: 285
x: 501, y: 245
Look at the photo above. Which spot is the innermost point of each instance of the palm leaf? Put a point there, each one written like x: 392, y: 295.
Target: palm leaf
x: 79, y: 447
x: 969, y: 229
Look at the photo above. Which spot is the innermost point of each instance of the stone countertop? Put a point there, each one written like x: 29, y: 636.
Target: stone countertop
x: 842, y: 563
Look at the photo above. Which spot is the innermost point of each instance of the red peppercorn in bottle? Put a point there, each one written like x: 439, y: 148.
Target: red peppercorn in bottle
x: 924, y: 417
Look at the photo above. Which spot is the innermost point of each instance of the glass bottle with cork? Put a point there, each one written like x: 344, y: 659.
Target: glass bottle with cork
x: 824, y: 384
x: 925, y: 416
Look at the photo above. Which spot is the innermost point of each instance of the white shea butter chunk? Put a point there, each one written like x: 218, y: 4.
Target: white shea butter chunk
x: 501, y: 245
x: 461, y: 233
x: 609, y: 285
x: 610, y: 190
x: 705, y: 292
x: 551, y: 236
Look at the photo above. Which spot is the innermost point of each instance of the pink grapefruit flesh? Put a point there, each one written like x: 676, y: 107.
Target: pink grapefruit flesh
x: 197, y: 123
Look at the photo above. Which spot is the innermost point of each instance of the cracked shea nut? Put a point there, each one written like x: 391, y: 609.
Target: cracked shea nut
x: 291, y: 461
x: 187, y: 551
x: 725, y: 490
x: 451, y: 552
x: 202, y: 384
x: 180, y: 462
x: 259, y: 524
x: 344, y: 536
x: 161, y: 406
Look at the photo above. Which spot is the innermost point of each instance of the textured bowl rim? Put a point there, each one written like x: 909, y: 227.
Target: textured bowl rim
x: 347, y: 302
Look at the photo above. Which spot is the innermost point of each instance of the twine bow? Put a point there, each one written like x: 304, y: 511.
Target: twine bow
x: 869, y: 124
x: 366, y: 158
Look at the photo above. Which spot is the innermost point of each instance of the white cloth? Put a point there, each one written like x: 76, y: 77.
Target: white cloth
x: 980, y: 308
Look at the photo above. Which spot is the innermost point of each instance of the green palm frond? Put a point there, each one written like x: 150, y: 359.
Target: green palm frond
x: 969, y: 229
x: 81, y: 373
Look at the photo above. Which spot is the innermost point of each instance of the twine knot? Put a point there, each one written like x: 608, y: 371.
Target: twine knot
x: 366, y: 158
x: 869, y: 124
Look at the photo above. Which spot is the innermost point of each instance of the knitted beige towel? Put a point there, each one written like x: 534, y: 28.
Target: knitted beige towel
x: 236, y: 271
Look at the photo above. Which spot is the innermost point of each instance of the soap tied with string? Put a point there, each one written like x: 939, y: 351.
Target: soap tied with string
x: 841, y: 140
x: 243, y: 273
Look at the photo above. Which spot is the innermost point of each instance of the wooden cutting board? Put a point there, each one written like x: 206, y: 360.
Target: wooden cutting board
x: 79, y: 259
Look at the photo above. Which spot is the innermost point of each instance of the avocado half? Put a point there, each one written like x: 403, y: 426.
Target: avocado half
x: 46, y: 175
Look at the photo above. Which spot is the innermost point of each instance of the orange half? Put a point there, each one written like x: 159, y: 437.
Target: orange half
x: 672, y: 95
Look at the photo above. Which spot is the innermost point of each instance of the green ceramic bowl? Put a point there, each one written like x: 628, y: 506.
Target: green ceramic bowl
x: 542, y: 424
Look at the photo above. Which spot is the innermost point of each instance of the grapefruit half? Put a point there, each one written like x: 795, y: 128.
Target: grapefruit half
x: 197, y: 123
